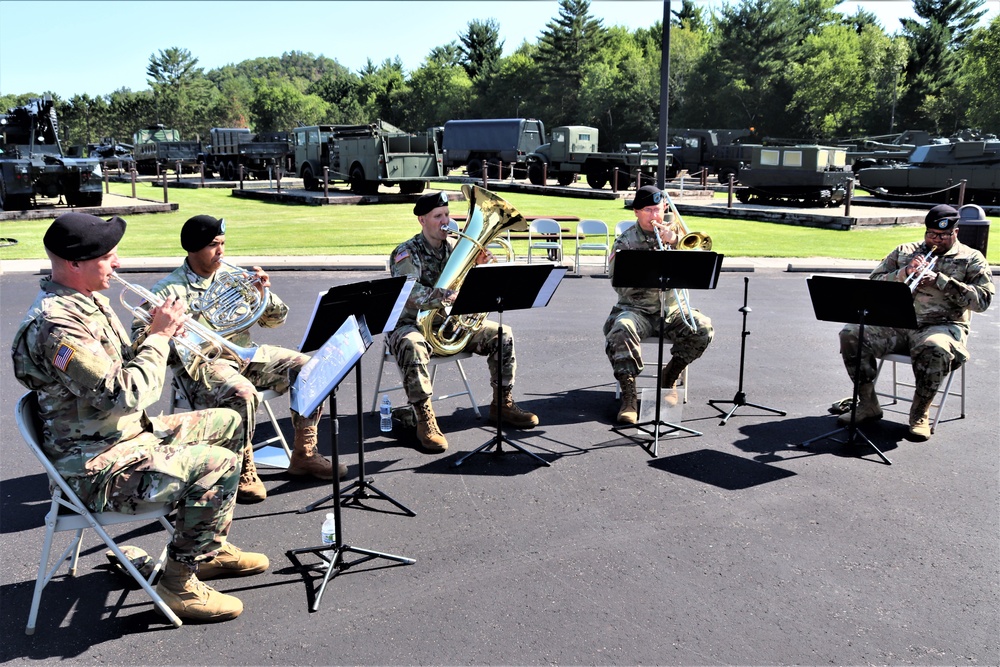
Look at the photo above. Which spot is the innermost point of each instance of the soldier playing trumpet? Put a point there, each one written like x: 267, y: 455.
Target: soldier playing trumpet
x: 949, y: 280
x: 223, y: 382
x: 637, y: 313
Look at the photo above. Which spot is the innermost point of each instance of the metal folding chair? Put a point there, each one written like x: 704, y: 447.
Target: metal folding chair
x: 434, y: 363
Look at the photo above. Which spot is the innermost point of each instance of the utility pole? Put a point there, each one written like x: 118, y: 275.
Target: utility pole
x: 661, y: 168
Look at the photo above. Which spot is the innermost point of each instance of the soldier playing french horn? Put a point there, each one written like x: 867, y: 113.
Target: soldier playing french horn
x: 423, y: 258
x: 224, y: 382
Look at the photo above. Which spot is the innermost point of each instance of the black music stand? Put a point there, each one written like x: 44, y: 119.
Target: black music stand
x: 740, y: 399
x: 318, y: 379
x: 650, y: 269
x: 503, y: 287
x: 860, y: 301
x: 379, y: 302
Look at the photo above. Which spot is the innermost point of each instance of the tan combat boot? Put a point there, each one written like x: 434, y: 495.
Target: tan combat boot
x: 188, y: 597
x: 920, y: 422
x: 511, y: 414
x: 628, y: 413
x: 428, y: 433
x: 231, y: 561
x: 670, y: 373
x: 868, y: 407
x: 251, y: 489
x: 306, y: 459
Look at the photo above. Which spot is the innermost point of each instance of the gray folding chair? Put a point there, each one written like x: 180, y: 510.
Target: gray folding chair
x: 68, y: 512
x: 592, y: 228
x: 540, y: 237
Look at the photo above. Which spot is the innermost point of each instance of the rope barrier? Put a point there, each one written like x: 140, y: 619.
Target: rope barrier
x: 879, y: 191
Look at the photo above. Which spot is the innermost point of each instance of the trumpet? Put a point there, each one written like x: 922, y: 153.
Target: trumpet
x: 196, y: 342
x: 915, y: 279
x: 233, y: 302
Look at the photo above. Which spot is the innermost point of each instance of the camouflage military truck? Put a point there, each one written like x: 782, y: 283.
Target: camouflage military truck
x: 572, y: 151
x: 156, y: 146
x: 366, y: 156
x: 720, y: 151
x: 259, y: 154
x: 32, y: 162
x: 490, y: 143
x: 803, y: 175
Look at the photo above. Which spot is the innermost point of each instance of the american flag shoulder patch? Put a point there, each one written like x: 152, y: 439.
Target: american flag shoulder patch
x: 402, y: 255
x: 63, y: 355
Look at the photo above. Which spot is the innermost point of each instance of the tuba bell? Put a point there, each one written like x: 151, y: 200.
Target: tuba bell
x: 489, y: 217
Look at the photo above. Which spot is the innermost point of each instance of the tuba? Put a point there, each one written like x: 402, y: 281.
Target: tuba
x: 489, y: 217
x: 232, y: 303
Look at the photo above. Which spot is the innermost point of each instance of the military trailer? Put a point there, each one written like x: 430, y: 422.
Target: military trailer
x: 259, y: 154
x: 32, y: 162
x: 804, y: 175
x: 936, y: 167
x: 572, y: 152
x: 156, y: 146
x: 366, y: 156
x: 715, y: 150
x: 493, y: 142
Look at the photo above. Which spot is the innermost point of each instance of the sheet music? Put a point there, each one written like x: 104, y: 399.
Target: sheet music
x: 400, y: 304
x: 327, y: 367
x: 549, y: 287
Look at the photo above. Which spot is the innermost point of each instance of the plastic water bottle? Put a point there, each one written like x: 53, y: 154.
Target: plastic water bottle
x: 385, y: 414
x: 329, y: 530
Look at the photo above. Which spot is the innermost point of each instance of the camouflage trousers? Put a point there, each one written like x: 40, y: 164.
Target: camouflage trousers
x: 189, y: 459
x: 413, y: 353
x: 934, y: 350
x: 222, y: 385
x: 625, y: 329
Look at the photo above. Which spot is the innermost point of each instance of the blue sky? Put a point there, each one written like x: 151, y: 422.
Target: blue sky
x: 96, y: 47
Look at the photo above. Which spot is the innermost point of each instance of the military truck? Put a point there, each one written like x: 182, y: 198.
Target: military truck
x: 493, y: 142
x: 32, y: 162
x: 259, y: 154
x: 366, y: 156
x: 156, y: 145
x: 804, y: 175
x: 572, y: 152
x: 716, y: 150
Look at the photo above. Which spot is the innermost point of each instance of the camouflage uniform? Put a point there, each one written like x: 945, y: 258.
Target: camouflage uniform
x: 937, y: 345
x: 636, y: 316
x: 93, y: 390
x: 221, y: 383
x: 416, y: 259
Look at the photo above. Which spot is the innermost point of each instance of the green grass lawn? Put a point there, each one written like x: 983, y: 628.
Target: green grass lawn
x: 264, y: 228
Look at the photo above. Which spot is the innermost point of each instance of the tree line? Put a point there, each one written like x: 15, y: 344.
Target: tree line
x: 785, y: 68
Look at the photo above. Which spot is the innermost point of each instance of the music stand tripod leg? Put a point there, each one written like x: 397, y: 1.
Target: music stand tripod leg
x: 363, y: 488
x: 498, y: 440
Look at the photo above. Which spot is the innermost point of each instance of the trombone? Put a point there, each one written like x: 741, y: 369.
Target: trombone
x: 688, y: 241
x: 197, y: 342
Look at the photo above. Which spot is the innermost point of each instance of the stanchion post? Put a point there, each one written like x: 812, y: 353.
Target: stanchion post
x: 104, y: 174
x: 614, y: 180
x: 732, y: 184
x: 166, y: 200
x: 638, y: 180
x: 239, y: 172
x: 848, y: 197
x: 704, y: 177
x: 545, y: 174
x: 177, y: 171
x: 132, y: 173
x: 326, y: 181
x: 961, y: 192
x: 277, y: 174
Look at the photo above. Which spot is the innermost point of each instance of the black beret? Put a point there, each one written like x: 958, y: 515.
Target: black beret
x: 647, y: 195
x: 941, y: 218
x: 429, y: 202
x: 200, y: 230
x: 80, y: 236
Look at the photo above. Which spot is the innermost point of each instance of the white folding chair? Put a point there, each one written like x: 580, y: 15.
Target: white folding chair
x: 546, y: 228
x: 68, y: 512
x: 622, y: 226
x: 943, y: 393
x: 387, y: 357
x: 180, y: 399
x: 596, y: 228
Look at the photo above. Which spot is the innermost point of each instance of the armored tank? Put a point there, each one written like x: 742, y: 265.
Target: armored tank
x: 801, y: 175
x: 934, y: 169
x: 32, y: 162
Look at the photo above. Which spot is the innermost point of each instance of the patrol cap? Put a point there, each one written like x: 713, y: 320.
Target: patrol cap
x: 647, y: 195
x: 76, y: 236
x: 941, y: 218
x: 199, y: 231
x: 429, y: 202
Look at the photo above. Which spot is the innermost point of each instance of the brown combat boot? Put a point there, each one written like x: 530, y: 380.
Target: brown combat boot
x: 251, y: 489
x: 920, y: 422
x: 188, y: 597
x: 670, y: 373
x: 231, y: 561
x: 428, y: 433
x: 868, y: 407
x: 306, y: 459
x: 628, y: 413
x: 512, y: 414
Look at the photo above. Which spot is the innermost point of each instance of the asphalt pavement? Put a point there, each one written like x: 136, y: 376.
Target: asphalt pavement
x: 735, y: 546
